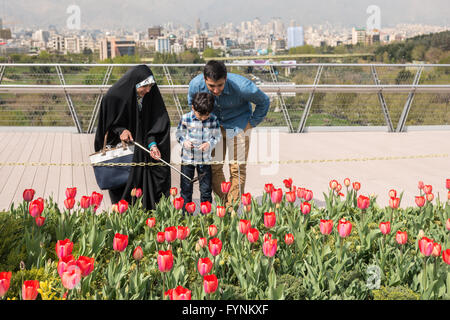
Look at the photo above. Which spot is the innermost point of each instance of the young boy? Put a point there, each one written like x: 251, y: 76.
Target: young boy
x: 198, y: 132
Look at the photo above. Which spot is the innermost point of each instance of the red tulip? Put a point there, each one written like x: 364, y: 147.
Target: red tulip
x: 326, y: 226
x: 289, y: 239
x: 267, y: 236
x: 268, y: 188
x: 447, y: 184
x: 346, y: 182
x: 392, y: 193
x: 270, y: 247
x: 28, y: 194
x: 30, y: 289
x: 69, y: 203
x: 205, y: 207
x: 276, y: 196
x: 420, y: 185
x: 169, y: 293
x: 246, y: 199
x: 420, y: 201
x: 426, y: 246
x: 204, y: 266
x: 5, y: 281
x: 288, y: 183
x: 120, y: 242
x: 385, y: 227
x: 40, y: 221
x: 225, y: 186
x: 344, y: 228
x: 430, y: 197
x: 64, y: 248
x: 356, y: 186
x: 339, y: 187
x: 305, y: 207
x: 244, y: 225
x: 173, y: 191
x: 446, y: 256
x: 308, y: 195
x: 150, y: 222
x: 252, y: 235
x: 363, y: 202
x: 138, y: 253
x: 427, y: 189
x: 401, y: 237
x: 269, y: 219
x: 202, y: 242
x: 448, y: 195
x: 170, y: 234
x: 71, y: 277
x: 138, y: 192
x: 35, y: 208
x: 190, y: 207
x: 301, y: 192
x: 394, y: 203
x: 215, y: 246
x: 212, y: 230
x: 220, y: 211
x: 210, y: 283
x: 333, y: 184
x: 85, y: 202
x: 165, y: 260
x: 122, y: 206
x: 71, y: 192
x: 180, y: 293
x: 160, y: 237
x: 64, y: 263
x: 178, y: 203
x: 96, y: 199
x: 182, y: 233
x: 86, y: 265
x: 447, y: 224
x: 290, y: 196
x: 436, y: 250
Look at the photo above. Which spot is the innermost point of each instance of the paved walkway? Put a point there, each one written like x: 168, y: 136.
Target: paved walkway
x: 396, y: 167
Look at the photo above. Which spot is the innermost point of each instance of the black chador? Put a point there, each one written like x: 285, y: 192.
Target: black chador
x: 148, y: 122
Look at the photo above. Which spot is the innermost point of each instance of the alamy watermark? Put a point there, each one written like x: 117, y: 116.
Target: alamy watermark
x: 73, y: 22
x: 374, y: 20
x: 374, y: 277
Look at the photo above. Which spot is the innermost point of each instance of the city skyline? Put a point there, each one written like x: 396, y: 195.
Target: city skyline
x: 115, y: 14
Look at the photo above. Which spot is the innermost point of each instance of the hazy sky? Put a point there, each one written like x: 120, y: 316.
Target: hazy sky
x: 143, y: 13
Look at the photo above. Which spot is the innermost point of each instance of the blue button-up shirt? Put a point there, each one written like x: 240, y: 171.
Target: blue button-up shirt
x: 190, y: 128
x: 233, y: 107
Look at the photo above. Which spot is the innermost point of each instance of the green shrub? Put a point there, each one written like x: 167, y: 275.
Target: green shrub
x: 395, y: 293
x: 20, y: 276
x: 293, y: 287
x: 12, y: 246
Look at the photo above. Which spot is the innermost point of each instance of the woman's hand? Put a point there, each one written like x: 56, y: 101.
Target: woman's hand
x: 126, y: 136
x: 155, y: 153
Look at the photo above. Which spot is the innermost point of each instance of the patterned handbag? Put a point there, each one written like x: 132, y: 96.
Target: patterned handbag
x: 111, y: 177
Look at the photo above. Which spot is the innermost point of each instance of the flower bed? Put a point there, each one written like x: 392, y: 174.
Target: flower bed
x: 353, y: 248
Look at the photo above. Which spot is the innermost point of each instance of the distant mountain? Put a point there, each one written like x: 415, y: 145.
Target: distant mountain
x: 143, y: 13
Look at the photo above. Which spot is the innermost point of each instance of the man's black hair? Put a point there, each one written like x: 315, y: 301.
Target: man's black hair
x: 215, y: 70
x: 203, y: 103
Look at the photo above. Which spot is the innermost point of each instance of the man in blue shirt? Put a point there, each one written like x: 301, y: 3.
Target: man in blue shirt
x: 233, y: 95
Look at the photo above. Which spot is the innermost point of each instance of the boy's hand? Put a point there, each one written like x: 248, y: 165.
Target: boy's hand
x: 187, y: 144
x: 204, y: 146
x: 126, y: 136
x: 155, y: 153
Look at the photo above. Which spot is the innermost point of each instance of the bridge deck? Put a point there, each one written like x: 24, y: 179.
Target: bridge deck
x: 376, y: 176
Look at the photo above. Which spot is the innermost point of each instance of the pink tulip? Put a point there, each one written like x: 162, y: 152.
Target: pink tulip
x: 5, y: 281
x: 252, y: 235
x: 182, y: 233
x: 202, y: 242
x: 96, y: 199
x: 269, y: 219
x: 210, y: 283
x: 64, y: 263
x: 30, y: 289
x: 326, y: 226
x: 436, y: 250
x: 344, y: 228
x: 308, y: 195
x: 170, y: 234
x: 427, y: 189
x: 212, y: 230
x: 205, y: 207
x: 420, y: 201
x: 276, y: 196
x: 69, y: 203
x: 244, y: 225
x: 178, y: 203
x: 85, y: 202
x: 64, y: 248
x: 71, y: 277
x: 165, y: 260
x: 28, y: 195
x: 305, y: 207
x: 180, y: 293
x: 204, y: 266
x: 385, y: 227
x: 426, y: 246
x: 246, y: 199
x: 220, y: 211
x: 120, y: 242
x: 215, y: 246
x: 122, y: 206
x: 225, y: 186
x: 363, y: 202
x: 40, y: 221
x: 270, y: 247
x: 160, y: 237
x: 289, y: 239
x: 86, y: 265
x: 401, y: 237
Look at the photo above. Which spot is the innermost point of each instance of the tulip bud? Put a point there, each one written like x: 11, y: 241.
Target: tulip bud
x: 202, y: 242
x: 420, y: 185
x: 346, y: 182
x: 197, y: 247
x: 133, y: 192
x: 173, y: 191
x: 430, y: 197
x: 212, y: 230
x: 436, y: 250
x: 447, y: 224
x: 40, y: 221
x: 138, y: 192
x: 160, y: 237
x: 421, y: 234
x: 115, y: 208
x: 289, y: 239
x: 138, y: 253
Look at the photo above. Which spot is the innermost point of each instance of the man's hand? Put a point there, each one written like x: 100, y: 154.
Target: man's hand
x: 187, y: 144
x: 155, y: 153
x: 204, y: 146
x: 126, y: 136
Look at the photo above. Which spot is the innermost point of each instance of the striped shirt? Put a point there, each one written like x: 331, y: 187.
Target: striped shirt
x: 190, y: 128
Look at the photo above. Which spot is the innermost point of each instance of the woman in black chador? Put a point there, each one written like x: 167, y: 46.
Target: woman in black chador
x: 133, y: 109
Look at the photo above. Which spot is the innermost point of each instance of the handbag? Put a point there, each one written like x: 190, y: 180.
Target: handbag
x: 111, y: 177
